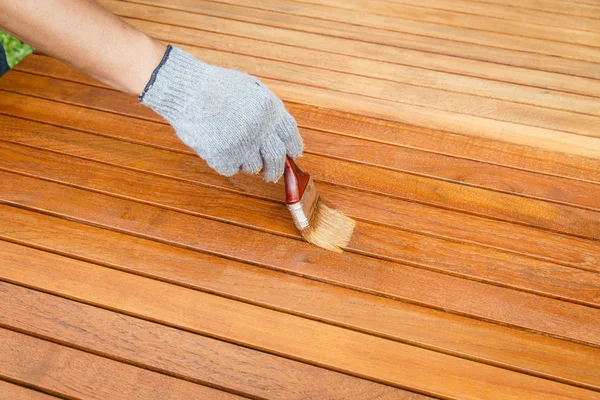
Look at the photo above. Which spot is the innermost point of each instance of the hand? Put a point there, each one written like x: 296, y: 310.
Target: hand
x: 228, y: 117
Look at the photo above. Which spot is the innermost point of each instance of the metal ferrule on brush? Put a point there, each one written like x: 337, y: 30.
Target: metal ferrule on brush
x: 303, y: 210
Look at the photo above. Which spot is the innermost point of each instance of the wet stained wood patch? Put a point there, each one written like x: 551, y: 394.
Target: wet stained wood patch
x: 464, y: 138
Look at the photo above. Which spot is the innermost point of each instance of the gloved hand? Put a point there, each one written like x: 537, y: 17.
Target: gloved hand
x: 228, y: 117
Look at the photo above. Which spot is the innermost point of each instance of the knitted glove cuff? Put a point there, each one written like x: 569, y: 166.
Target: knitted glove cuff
x: 169, y: 96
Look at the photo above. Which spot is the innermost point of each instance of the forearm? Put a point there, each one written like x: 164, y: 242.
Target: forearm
x: 86, y: 36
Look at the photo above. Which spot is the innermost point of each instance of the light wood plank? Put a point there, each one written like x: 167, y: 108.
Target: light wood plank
x: 539, y: 16
x: 533, y: 159
x: 456, y: 335
x: 396, y: 27
x: 76, y: 374
x: 176, y: 352
x: 11, y: 391
x: 356, y: 353
x: 377, y: 208
x: 464, y: 260
x: 580, y: 8
x: 422, y: 79
x: 419, y: 115
x: 395, y: 39
x: 111, y: 101
x: 419, y: 12
x: 515, y: 308
x: 395, y: 95
x: 384, y: 71
x: 214, y: 19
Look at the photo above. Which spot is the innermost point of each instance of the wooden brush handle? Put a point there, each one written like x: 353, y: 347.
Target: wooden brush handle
x: 295, y: 181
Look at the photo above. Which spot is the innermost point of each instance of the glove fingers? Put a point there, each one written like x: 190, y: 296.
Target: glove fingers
x: 253, y: 163
x: 223, y: 167
x: 273, y: 154
x: 288, y: 133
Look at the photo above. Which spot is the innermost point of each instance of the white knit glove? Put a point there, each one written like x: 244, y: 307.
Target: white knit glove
x: 228, y: 117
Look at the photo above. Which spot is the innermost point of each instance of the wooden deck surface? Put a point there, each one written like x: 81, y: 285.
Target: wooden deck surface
x: 463, y: 136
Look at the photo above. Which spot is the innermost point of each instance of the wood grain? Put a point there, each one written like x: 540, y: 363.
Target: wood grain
x: 377, y: 208
x: 420, y: 286
x: 179, y: 353
x: 214, y: 18
x: 570, y: 8
x: 344, y: 146
x: 532, y: 158
x: 356, y: 353
x: 11, y: 391
x: 461, y: 135
x: 460, y: 336
x: 548, y: 15
x: 72, y: 93
x: 359, y: 67
x: 355, y: 14
x: 76, y: 374
x: 458, y: 259
x: 451, y: 16
x: 393, y: 94
x: 507, y: 207
x: 316, y: 21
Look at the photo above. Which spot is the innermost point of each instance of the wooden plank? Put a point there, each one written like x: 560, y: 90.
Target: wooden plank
x: 419, y: 12
x: 474, y: 200
x: 463, y: 260
x: 343, y: 146
x: 409, y: 216
x: 356, y: 353
x: 421, y: 286
x: 502, y: 153
x: 428, y: 22
x: 438, y: 119
x: 579, y: 8
x: 73, y: 373
x: 440, y: 331
x: 175, y: 352
x: 273, y: 14
x: 11, y: 391
x: 551, y: 122
x: 367, y: 207
x: 388, y: 29
x: 379, y: 70
x: 351, y: 65
x: 538, y: 16
x: 214, y: 18
x: 109, y: 100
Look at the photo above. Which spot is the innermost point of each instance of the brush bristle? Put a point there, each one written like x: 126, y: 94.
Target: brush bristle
x: 328, y: 228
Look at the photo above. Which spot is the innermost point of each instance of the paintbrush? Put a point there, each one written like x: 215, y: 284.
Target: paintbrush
x: 317, y: 223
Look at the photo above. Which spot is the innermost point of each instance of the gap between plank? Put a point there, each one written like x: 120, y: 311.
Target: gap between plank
x: 399, y: 31
x: 267, y: 199
x: 116, y: 358
x: 34, y: 387
x: 529, y: 8
x: 430, y: 268
x: 463, y: 26
x: 452, y: 10
x: 408, y: 199
x: 462, y: 57
x: 513, y: 101
x: 400, y: 145
x: 247, y: 301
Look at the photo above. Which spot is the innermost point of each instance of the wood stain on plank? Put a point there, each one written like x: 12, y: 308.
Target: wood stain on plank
x: 462, y: 135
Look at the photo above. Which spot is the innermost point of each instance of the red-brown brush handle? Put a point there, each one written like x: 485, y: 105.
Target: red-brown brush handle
x: 295, y: 181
